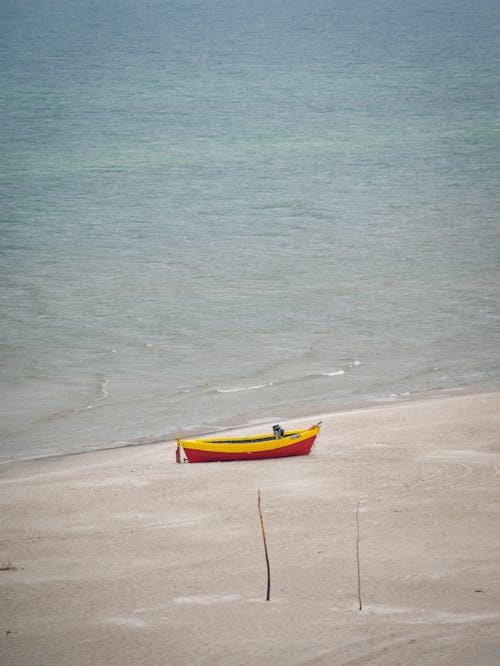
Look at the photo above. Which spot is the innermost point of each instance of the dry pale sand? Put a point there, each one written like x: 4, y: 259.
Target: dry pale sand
x: 124, y: 557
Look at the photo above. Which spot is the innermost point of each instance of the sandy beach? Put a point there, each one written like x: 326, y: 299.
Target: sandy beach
x: 124, y: 557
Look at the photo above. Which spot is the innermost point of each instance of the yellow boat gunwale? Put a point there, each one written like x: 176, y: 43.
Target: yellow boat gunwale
x: 249, y: 444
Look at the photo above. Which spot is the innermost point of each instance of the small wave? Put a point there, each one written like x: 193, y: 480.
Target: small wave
x: 103, y: 393
x: 67, y: 412
x: 208, y: 388
x: 243, y: 388
x: 199, y: 388
x: 279, y: 382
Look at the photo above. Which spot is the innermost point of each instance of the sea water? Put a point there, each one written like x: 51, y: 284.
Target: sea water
x: 217, y: 210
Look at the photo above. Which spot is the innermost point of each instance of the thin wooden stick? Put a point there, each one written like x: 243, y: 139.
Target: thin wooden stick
x: 268, y: 594
x: 357, y: 556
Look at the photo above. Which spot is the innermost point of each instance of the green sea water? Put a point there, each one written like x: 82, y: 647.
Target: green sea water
x: 216, y: 210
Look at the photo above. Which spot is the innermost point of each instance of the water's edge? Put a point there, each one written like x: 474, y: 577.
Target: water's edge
x: 315, y: 413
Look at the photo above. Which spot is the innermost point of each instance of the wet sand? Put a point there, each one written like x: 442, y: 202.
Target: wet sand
x: 124, y: 557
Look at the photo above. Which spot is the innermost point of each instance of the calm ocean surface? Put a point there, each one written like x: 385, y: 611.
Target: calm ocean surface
x: 215, y: 210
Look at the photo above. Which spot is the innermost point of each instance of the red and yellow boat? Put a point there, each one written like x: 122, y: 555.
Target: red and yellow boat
x: 278, y: 444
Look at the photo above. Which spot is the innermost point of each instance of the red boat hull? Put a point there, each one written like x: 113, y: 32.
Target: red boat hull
x: 302, y: 448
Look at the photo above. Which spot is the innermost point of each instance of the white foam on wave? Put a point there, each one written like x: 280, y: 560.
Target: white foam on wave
x: 211, y: 388
x: 243, y: 388
x: 255, y: 387
x: 102, y: 395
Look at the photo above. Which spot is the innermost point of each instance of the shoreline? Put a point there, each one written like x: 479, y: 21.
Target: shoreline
x: 254, y: 420
x: 113, y: 557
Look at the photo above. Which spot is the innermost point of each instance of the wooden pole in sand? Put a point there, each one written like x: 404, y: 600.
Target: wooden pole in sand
x: 357, y: 556
x: 268, y: 594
